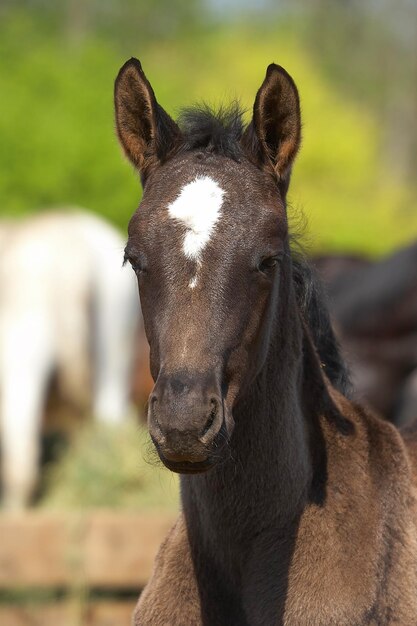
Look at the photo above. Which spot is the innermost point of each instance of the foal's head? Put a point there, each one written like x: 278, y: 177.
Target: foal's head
x: 209, y: 245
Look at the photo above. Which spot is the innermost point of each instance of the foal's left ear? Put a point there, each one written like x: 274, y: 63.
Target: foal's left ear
x: 145, y: 130
x: 274, y: 135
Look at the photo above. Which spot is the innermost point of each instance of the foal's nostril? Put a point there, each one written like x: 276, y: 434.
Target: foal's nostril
x: 212, y: 416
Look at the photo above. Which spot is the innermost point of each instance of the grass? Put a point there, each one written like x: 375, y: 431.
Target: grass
x: 109, y: 467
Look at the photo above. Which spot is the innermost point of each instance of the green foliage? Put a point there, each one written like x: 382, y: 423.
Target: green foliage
x: 56, y: 124
x: 58, y: 144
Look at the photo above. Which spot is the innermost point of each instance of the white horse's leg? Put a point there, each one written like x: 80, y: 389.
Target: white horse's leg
x: 25, y: 367
x: 74, y: 346
x: 115, y: 328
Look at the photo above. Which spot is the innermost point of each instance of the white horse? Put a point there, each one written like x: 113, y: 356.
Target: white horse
x: 67, y: 307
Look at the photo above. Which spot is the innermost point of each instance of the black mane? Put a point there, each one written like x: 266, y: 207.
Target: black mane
x: 313, y: 306
x: 220, y: 132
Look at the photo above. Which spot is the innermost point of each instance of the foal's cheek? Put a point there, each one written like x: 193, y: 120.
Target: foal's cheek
x: 240, y: 375
x: 256, y: 334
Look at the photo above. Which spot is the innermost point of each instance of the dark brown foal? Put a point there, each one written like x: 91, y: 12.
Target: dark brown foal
x: 298, y: 507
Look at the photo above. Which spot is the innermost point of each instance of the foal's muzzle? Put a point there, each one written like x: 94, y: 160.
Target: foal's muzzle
x: 186, y: 420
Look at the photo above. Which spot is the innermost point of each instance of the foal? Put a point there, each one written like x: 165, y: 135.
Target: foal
x: 298, y: 508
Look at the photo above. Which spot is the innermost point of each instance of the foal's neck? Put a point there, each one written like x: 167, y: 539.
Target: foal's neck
x: 264, y: 482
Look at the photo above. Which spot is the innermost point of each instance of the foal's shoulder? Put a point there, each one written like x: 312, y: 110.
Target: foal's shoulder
x: 409, y: 436
x: 174, y: 548
x: 171, y: 595
x: 385, y: 448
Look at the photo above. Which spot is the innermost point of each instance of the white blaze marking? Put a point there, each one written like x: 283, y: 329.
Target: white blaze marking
x: 198, y: 208
x: 193, y: 282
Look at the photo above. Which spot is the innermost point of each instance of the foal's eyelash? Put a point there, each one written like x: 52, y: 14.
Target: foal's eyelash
x: 128, y: 257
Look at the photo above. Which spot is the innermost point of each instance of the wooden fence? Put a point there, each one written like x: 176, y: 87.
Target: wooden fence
x: 70, y: 570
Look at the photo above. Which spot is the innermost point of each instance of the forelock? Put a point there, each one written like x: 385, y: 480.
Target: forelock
x: 218, y: 131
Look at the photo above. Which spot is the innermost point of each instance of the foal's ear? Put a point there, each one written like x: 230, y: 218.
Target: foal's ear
x: 145, y: 130
x: 274, y: 135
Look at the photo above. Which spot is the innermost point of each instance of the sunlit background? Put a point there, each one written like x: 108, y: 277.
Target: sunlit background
x: 355, y: 64
x: 355, y: 183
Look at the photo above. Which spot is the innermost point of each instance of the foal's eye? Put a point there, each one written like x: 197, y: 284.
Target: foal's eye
x: 137, y: 265
x: 138, y: 268
x: 267, y: 264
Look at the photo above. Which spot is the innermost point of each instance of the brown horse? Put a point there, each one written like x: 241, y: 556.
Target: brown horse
x: 298, y: 507
x: 374, y: 309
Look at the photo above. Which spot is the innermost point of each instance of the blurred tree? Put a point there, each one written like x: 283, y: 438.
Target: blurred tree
x: 370, y: 50
x: 126, y: 22
x: 353, y: 64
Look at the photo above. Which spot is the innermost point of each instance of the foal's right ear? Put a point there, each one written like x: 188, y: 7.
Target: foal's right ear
x: 146, y: 132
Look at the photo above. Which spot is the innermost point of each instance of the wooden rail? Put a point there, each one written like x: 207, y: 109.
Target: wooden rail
x: 65, y: 614
x: 102, y: 551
